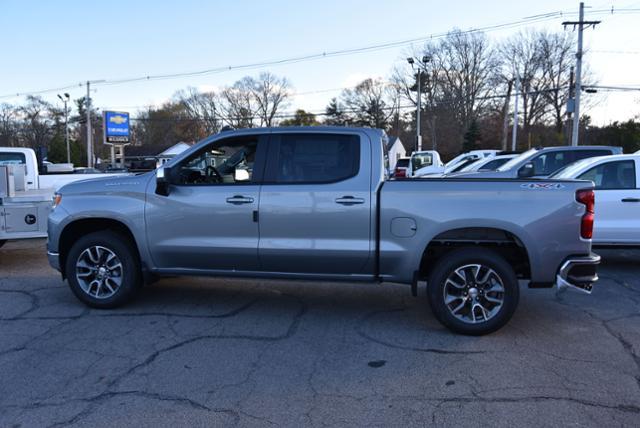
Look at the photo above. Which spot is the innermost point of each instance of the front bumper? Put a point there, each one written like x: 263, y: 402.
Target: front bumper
x: 54, y: 260
x: 578, y: 273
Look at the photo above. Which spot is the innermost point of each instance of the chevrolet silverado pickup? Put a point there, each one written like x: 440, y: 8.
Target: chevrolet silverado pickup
x: 316, y: 203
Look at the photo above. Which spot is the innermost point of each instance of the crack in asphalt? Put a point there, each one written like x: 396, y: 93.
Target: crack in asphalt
x: 94, y: 402
x: 291, y: 330
x: 360, y: 331
x: 363, y: 328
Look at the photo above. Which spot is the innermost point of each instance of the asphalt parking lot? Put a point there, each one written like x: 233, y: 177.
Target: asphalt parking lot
x: 212, y: 352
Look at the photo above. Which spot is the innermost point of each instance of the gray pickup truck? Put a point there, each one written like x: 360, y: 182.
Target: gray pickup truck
x: 317, y: 203
x: 541, y: 162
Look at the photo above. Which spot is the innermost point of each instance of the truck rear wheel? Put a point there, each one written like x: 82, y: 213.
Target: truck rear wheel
x: 2, y: 242
x: 103, y: 269
x: 473, y: 291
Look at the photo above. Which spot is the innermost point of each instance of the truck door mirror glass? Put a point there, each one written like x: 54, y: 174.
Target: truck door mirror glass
x: 162, y: 181
x: 241, y: 175
x: 527, y: 170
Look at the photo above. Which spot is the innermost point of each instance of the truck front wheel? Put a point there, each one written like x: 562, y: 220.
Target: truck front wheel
x: 103, y: 269
x: 473, y: 291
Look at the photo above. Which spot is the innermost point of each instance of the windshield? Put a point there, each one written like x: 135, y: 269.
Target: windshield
x: 421, y: 160
x: 11, y: 158
x: 402, y: 163
x: 515, y: 161
x: 462, y: 166
x: 471, y: 166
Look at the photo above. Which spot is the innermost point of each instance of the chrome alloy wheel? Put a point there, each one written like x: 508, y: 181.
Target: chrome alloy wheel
x: 99, y: 272
x: 473, y: 293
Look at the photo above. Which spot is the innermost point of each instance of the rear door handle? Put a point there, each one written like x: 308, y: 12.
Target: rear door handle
x: 239, y: 200
x: 349, y: 200
x: 631, y: 200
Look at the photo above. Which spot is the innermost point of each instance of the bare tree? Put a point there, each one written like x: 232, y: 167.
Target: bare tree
x: 8, y: 127
x: 557, y: 58
x: 36, y: 126
x: 371, y: 103
x: 270, y: 93
x: 523, y: 60
x: 203, y: 108
x: 237, y: 105
x: 466, y: 67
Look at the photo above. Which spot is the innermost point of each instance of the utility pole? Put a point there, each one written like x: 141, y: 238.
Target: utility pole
x: 514, y: 136
x: 90, y: 157
x: 66, y: 124
x: 570, y: 106
x: 89, y: 139
x: 578, y: 88
x: 505, y: 116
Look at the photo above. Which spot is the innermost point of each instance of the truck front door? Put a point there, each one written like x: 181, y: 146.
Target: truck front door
x: 315, y: 204
x: 206, y: 220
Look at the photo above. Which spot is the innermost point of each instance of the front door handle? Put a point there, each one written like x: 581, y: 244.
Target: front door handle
x: 349, y: 200
x: 239, y: 200
x: 631, y: 200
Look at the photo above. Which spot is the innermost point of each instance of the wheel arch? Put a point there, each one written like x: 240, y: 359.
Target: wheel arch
x: 504, y: 242
x: 80, y: 227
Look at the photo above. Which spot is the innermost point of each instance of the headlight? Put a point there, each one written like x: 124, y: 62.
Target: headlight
x: 57, y: 198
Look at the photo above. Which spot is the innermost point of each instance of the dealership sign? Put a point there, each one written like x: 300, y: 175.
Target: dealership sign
x: 116, y: 127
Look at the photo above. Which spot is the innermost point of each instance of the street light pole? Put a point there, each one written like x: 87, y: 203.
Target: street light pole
x: 420, y: 68
x: 66, y: 125
x: 89, y: 142
x: 418, y: 133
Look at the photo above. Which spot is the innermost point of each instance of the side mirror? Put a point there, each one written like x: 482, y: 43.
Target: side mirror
x: 241, y: 175
x: 527, y: 170
x: 162, y: 181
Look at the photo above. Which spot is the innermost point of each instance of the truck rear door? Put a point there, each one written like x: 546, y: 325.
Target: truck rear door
x: 617, y: 217
x: 315, y: 204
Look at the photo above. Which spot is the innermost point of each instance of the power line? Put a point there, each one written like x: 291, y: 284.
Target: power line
x: 615, y: 88
x: 327, y: 54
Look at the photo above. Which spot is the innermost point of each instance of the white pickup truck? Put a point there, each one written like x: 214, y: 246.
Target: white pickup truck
x: 27, y: 157
x: 25, y: 195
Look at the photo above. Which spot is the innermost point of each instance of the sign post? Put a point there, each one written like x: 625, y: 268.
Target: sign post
x: 116, y: 133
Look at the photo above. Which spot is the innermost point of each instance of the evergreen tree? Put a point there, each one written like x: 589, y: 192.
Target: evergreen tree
x: 471, y: 137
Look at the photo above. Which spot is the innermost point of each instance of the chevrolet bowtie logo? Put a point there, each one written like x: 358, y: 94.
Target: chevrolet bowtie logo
x: 118, y: 119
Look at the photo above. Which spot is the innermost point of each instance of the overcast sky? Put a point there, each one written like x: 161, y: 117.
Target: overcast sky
x: 49, y: 44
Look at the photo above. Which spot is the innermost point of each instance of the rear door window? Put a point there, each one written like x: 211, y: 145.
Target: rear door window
x: 313, y: 158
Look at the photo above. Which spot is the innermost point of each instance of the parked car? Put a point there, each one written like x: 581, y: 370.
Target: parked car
x: 460, y: 162
x: 400, y: 170
x: 472, y: 155
x: 488, y: 163
x: 425, y: 162
x: 543, y: 161
x: 617, y: 193
x: 315, y: 203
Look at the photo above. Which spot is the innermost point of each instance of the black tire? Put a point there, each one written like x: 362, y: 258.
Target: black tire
x: 2, y: 242
x: 473, y: 293
x: 129, y: 274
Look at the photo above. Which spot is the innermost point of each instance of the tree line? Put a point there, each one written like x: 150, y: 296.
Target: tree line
x: 467, y: 83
